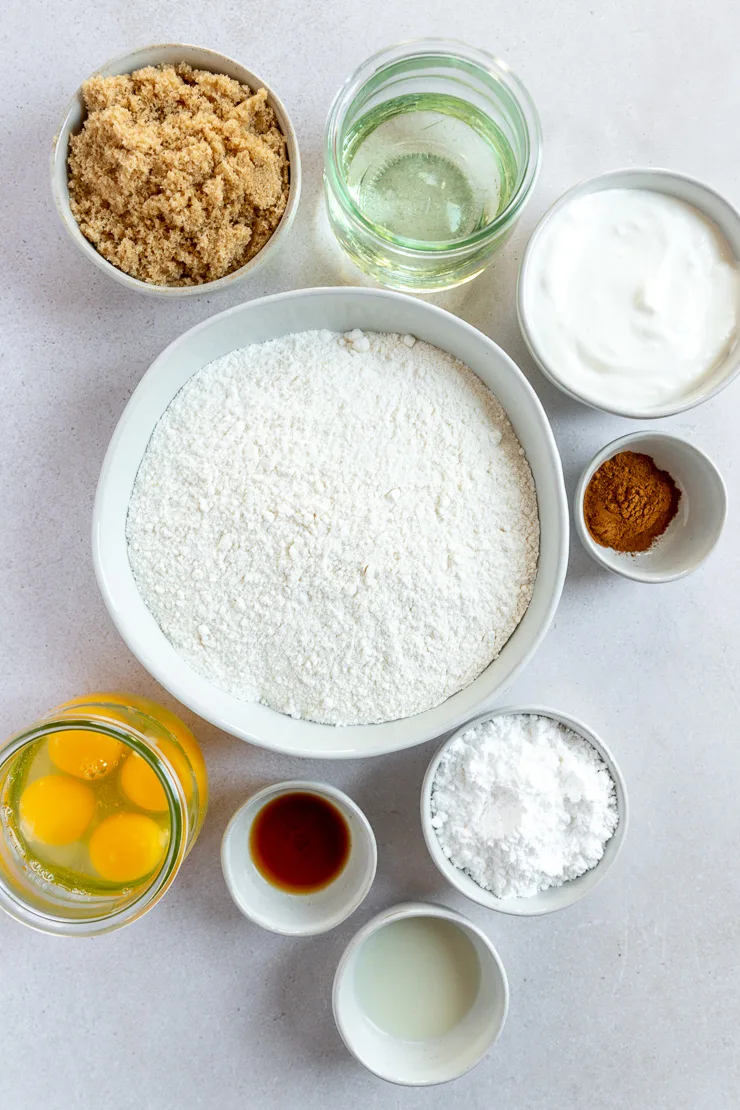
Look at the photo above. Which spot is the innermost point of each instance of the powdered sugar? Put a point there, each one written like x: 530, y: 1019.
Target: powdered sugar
x: 522, y: 804
x: 344, y: 528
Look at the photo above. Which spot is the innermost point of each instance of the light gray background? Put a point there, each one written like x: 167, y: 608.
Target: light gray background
x: 629, y: 999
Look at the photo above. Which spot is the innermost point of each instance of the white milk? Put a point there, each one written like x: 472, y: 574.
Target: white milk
x: 416, y: 979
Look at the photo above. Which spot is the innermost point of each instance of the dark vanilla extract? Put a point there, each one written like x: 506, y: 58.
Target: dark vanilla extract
x: 300, y: 842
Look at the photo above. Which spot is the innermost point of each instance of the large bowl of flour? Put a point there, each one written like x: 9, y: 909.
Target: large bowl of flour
x: 332, y: 522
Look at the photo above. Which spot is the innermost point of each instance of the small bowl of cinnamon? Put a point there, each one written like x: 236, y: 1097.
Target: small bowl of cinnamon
x: 650, y: 506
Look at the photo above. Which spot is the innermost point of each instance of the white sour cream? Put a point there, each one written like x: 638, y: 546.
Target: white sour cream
x: 632, y: 298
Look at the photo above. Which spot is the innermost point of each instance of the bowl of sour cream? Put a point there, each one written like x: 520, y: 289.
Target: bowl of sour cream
x: 629, y: 293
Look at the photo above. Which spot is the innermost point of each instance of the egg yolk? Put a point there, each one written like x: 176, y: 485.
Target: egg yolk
x: 56, y: 809
x: 126, y: 847
x: 141, y: 785
x: 186, y: 740
x: 180, y: 766
x: 177, y: 728
x: 88, y: 755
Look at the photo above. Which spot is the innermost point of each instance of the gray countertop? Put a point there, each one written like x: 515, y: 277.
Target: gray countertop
x: 630, y: 998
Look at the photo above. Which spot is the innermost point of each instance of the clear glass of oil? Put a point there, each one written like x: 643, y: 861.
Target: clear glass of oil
x: 100, y: 802
x: 432, y: 151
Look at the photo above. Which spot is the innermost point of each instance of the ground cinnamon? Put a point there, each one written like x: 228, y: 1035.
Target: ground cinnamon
x: 629, y: 502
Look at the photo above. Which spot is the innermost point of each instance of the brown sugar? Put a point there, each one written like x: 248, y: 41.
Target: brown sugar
x: 178, y: 176
x: 629, y: 502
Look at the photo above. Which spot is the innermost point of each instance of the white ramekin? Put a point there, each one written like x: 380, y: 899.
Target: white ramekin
x: 695, y: 530
x: 422, y: 1063
x: 688, y: 189
x: 545, y: 901
x: 199, y: 58
x: 298, y: 915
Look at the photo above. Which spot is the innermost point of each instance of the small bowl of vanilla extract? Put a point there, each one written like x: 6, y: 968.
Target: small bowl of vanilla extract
x: 299, y: 857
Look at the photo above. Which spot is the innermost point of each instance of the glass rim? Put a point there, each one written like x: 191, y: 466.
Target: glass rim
x: 48, y: 922
x: 491, y: 67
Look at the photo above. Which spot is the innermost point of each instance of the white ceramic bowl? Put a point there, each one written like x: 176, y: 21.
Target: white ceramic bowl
x: 422, y: 1063
x: 688, y: 189
x: 298, y: 915
x: 694, y: 531
x: 545, y: 901
x: 198, y: 58
x: 254, y: 322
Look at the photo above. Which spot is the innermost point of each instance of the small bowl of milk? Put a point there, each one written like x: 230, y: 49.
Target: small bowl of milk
x: 629, y: 293
x: 420, y: 995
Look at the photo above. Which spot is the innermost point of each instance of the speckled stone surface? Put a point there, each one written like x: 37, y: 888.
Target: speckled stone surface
x: 630, y: 999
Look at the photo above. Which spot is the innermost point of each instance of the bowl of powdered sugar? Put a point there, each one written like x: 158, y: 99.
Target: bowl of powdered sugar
x: 524, y: 810
x: 332, y: 522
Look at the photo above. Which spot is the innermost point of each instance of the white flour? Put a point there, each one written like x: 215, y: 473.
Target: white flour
x: 345, y: 529
x: 522, y: 804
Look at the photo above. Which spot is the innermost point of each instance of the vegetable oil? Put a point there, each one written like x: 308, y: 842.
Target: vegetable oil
x: 428, y: 167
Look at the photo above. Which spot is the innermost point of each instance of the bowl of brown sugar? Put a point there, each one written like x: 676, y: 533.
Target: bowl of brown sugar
x: 176, y: 170
x: 650, y: 506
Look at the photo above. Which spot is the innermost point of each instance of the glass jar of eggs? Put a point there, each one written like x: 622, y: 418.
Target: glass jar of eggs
x: 100, y: 803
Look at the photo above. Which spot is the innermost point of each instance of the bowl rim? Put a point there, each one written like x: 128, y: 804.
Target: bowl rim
x: 260, y: 798
x: 60, y: 194
x: 399, y: 912
x: 138, y: 644
x: 634, y: 573
x: 468, y: 886
x: 598, y: 183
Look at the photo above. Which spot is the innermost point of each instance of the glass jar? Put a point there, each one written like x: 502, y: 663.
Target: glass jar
x: 429, y: 107
x: 92, y: 762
